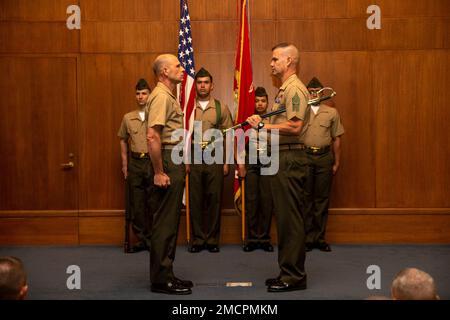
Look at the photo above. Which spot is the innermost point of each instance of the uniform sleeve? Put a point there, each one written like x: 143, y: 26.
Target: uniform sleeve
x: 226, y: 121
x: 337, y: 129
x: 123, y: 132
x: 296, y: 102
x: 157, y: 111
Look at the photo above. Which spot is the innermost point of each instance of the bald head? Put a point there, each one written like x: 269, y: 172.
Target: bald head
x: 413, y: 284
x: 168, y: 70
x: 161, y: 62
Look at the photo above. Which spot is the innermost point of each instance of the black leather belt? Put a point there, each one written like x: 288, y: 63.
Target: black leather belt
x: 292, y: 146
x: 317, y: 150
x: 140, y: 155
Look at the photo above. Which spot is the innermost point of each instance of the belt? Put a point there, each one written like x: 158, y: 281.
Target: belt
x: 140, y: 155
x: 292, y: 146
x: 317, y: 150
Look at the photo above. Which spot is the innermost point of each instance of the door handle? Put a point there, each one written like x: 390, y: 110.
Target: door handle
x: 68, y: 165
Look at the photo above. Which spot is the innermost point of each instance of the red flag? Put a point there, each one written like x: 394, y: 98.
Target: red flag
x: 243, y: 82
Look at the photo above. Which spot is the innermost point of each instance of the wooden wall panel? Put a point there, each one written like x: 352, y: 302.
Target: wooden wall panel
x: 214, y: 36
x: 38, y: 37
x: 413, y: 157
x: 309, y: 35
x: 202, y: 10
x: 355, y: 226
x: 401, y: 9
x: 35, y: 10
x: 121, y: 10
x: 320, y: 9
x: 101, y: 230
x: 170, y: 11
x: 212, y: 10
x: 39, y: 231
x: 263, y: 9
x: 349, y: 74
x: 123, y: 37
x: 388, y: 229
x: 326, y: 35
x: 328, y: 9
x: 263, y: 36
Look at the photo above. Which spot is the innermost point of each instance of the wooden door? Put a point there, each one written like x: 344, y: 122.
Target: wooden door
x: 38, y: 148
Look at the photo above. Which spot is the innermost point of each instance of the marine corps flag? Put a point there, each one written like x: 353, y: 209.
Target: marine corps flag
x: 244, y: 93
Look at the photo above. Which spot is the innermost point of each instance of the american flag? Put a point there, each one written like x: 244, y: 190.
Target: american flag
x: 186, y: 91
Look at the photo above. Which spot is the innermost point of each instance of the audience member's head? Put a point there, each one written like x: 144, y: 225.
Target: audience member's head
x: 413, y: 284
x: 13, y: 279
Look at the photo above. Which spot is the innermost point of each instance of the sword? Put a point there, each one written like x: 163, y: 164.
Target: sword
x: 281, y: 110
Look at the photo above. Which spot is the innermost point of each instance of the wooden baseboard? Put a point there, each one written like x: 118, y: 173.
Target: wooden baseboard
x: 38, y: 230
x: 345, y: 225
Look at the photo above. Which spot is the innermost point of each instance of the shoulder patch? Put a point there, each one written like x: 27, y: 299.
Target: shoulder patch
x: 296, y: 103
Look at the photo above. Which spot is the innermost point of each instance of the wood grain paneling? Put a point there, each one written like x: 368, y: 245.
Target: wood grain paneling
x: 214, y: 36
x: 320, y: 9
x: 412, y: 154
x: 202, y: 10
x: 356, y: 225
x: 384, y: 229
x: 38, y: 37
x: 101, y: 230
x: 170, y: 11
x: 326, y: 35
x: 212, y: 10
x: 122, y: 37
x: 38, y: 213
x: 326, y: 9
x: 34, y: 231
x: 37, y: 133
x: 263, y: 36
x: 401, y: 9
x: 349, y: 74
x: 121, y: 10
x: 35, y: 10
x: 263, y: 9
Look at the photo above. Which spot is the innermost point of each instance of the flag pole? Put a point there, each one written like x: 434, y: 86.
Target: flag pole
x: 188, y: 211
x: 243, y: 210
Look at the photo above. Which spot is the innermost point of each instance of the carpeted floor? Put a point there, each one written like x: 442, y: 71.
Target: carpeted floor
x: 108, y: 273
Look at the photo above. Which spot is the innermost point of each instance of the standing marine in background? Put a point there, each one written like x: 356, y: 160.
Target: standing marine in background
x: 136, y: 167
x: 322, y: 138
x: 258, y: 195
